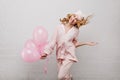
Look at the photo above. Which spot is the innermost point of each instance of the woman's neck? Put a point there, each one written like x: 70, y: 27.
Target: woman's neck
x: 69, y: 25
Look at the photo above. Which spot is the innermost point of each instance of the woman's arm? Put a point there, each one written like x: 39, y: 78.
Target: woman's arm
x: 48, y: 49
x: 52, y: 43
x: 77, y: 44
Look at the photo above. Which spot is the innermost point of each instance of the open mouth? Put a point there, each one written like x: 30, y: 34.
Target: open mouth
x: 72, y: 21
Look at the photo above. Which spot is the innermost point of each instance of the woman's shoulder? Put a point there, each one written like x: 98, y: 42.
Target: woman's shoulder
x: 76, y: 30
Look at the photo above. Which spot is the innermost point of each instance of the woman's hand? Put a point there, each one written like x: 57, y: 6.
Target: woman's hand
x: 43, y: 56
x: 91, y: 43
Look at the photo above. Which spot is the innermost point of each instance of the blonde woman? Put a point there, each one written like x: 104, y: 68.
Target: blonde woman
x: 65, y: 39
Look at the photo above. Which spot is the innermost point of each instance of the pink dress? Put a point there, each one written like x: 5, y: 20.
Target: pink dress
x: 63, y: 41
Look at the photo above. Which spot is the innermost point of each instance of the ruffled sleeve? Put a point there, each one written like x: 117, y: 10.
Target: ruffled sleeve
x: 48, y: 49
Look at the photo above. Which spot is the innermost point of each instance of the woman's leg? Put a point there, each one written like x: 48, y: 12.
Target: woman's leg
x: 64, y: 69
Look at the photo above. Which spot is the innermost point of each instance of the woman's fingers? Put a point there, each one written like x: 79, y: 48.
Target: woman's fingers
x: 43, y: 56
x: 93, y: 43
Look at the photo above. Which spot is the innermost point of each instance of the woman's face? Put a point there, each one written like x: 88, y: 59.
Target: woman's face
x: 73, y: 20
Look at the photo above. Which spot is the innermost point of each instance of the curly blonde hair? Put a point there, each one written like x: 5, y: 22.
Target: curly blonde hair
x: 79, y: 23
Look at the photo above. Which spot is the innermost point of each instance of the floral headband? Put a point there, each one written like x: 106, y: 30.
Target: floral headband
x: 79, y: 15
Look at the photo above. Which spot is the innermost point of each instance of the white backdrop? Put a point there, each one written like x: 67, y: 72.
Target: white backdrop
x: 18, y: 18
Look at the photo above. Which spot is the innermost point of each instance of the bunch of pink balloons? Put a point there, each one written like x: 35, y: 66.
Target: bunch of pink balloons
x: 34, y: 47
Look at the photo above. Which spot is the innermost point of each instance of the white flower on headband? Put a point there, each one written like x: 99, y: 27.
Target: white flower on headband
x: 79, y: 14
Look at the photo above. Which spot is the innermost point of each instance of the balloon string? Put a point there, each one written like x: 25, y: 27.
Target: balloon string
x: 46, y: 66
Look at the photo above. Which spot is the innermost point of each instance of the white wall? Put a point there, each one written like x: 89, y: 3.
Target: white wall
x: 18, y: 18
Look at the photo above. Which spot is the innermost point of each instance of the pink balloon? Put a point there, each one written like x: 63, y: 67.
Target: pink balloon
x: 41, y: 47
x: 28, y: 55
x: 30, y: 44
x: 30, y: 52
x: 40, y: 35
